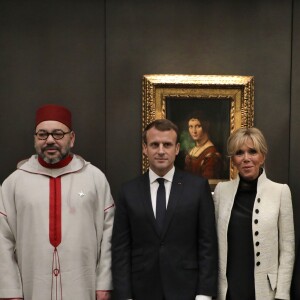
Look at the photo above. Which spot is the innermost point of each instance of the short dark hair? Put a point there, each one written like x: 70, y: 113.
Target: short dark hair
x: 161, y: 125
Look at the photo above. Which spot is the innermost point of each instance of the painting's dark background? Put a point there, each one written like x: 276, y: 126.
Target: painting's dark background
x: 90, y: 55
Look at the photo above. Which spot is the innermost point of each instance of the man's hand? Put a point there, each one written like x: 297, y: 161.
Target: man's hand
x: 103, y: 295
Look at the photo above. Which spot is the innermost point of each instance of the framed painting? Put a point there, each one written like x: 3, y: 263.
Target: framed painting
x: 206, y: 109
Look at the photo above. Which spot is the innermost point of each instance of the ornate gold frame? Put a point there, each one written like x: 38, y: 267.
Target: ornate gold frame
x: 238, y: 89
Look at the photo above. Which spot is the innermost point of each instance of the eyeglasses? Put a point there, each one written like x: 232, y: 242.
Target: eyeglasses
x: 56, y: 134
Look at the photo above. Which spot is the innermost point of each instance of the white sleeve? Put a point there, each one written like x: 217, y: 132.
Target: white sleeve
x: 286, y: 245
x: 10, y: 279
x: 105, y: 225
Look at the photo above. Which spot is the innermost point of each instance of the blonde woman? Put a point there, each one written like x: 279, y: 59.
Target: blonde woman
x: 255, y: 226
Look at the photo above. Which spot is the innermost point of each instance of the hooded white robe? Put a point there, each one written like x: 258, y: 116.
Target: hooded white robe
x: 30, y: 266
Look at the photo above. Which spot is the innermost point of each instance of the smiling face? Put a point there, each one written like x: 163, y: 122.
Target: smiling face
x: 161, y: 149
x: 51, y: 150
x: 248, y: 160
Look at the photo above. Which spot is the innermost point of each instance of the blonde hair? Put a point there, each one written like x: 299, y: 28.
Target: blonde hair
x: 240, y: 137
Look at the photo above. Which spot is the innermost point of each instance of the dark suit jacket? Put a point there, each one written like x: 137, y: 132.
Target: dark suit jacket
x: 179, y: 263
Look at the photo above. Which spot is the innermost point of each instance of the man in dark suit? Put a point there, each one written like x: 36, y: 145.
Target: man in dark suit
x: 168, y: 251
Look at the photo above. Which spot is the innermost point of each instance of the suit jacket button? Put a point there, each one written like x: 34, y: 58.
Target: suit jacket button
x: 258, y: 200
x: 258, y: 263
x: 257, y: 211
x: 256, y: 233
x: 257, y: 244
x: 257, y: 253
x: 255, y: 221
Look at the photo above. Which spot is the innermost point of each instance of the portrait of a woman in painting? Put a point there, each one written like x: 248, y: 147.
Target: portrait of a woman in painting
x: 203, y: 159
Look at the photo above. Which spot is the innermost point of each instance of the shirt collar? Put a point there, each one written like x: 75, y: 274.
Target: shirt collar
x: 169, y: 176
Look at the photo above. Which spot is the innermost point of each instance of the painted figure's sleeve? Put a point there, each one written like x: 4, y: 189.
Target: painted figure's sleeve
x: 10, y: 280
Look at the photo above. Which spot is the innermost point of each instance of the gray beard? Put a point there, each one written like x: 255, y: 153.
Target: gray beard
x: 51, y: 160
x: 54, y: 160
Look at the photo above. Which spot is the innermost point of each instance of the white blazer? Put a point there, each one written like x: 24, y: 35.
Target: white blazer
x: 272, y: 208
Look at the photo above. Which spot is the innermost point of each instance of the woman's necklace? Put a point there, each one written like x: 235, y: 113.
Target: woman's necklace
x: 196, y: 151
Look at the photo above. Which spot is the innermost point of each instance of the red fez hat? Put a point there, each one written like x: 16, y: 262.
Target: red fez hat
x: 52, y: 112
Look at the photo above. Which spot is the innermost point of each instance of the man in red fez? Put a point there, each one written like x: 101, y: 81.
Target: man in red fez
x: 56, y: 217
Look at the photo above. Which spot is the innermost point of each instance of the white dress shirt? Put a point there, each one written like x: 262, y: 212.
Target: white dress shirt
x: 154, y: 186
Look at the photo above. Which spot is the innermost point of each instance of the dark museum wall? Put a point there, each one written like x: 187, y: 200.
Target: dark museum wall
x: 90, y: 55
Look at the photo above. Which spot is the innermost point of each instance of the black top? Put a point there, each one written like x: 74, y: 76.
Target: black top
x: 240, y: 259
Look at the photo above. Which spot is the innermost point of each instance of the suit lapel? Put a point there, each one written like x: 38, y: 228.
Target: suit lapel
x: 175, y: 195
x: 146, y: 196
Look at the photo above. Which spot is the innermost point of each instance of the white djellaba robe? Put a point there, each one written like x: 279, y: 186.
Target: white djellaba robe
x: 70, y: 207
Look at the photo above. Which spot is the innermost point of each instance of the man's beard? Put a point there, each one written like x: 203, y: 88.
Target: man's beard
x: 62, y: 154
x: 53, y: 160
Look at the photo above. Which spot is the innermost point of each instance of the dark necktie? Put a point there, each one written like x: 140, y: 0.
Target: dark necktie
x: 160, y: 203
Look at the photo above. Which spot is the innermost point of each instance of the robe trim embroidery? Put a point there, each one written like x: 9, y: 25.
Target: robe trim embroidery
x: 109, y: 207
x: 55, y: 234
x: 56, y: 277
x: 55, y: 211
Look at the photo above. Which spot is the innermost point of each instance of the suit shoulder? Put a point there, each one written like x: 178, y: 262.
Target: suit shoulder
x: 190, y: 178
x: 194, y: 177
x: 135, y: 181
x: 274, y: 186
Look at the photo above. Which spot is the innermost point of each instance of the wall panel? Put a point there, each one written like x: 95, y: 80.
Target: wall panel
x: 51, y: 52
x: 196, y: 37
